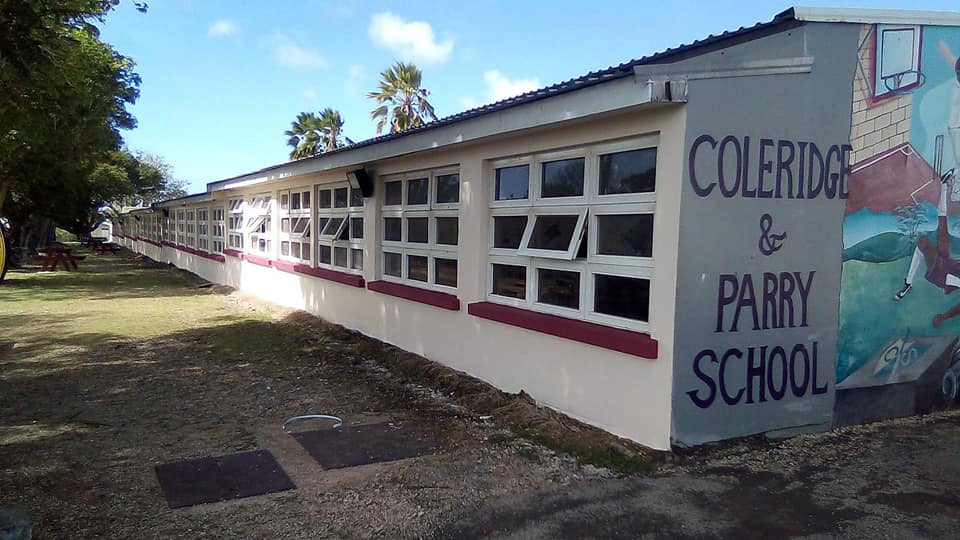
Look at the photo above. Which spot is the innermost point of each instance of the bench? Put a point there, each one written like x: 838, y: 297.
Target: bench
x: 51, y: 257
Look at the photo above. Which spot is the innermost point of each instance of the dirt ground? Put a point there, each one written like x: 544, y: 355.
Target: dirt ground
x: 106, y: 372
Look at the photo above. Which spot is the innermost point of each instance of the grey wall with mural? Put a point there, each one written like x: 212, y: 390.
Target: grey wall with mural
x: 760, y: 248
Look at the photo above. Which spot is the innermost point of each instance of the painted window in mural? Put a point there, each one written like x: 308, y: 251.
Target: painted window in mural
x: 572, y: 232
x: 901, y: 260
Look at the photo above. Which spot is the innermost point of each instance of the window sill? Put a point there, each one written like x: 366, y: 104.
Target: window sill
x: 323, y: 273
x: 416, y: 294
x: 257, y: 260
x: 233, y: 253
x: 606, y: 337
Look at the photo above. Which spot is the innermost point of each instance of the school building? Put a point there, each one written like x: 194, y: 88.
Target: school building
x: 747, y: 234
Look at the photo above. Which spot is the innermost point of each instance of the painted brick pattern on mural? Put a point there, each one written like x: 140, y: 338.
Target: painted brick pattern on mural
x: 877, y: 125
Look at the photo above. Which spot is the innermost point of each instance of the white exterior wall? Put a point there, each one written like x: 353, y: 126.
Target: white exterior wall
x: 627, y: 395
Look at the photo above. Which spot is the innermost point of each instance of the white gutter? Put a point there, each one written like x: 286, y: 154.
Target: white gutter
x: 622, y: 93
x: 876, y: 16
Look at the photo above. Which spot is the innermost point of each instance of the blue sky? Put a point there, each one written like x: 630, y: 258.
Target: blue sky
x: 223, y: 79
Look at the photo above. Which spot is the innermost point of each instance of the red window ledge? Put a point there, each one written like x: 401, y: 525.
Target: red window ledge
x: 322, y: 273
x: 416, y: 294
x: 607, y: 337
x: 233, y: 253
x: 259, y: 261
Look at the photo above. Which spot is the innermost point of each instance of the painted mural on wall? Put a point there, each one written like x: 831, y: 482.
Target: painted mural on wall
x: 900, y: 284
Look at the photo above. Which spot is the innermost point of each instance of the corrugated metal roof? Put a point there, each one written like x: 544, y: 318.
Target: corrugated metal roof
x: 595, y: 77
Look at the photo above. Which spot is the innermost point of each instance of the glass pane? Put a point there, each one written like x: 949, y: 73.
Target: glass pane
x: 332, y: 226
x: 447, y: 230
x: 445, y: 272
x: 285, y: 225
x: 553, y: 232
x: 417, y: 230
x: 417, y: 268
x: 392, y: 229
x: 340, y: 198
x: 628, y: 172
x: 285, y: 248
x: 325, y: 199
x: 418, y: 190
x: 356, y: 227
x: 321, y: 223
x: 512, y: 183
x: 301, y: 225
x: 306, y: 251
x: 356, y: 197
x: 306, y: 200
x: 630, y: 235
x: 448, y: 188
x: 508, y: 231
x: 340, y: 256
x: 356, y: 259
x: 324, y: 254
x: 393, y: 193
x: 558, y: 288
x: 284, y: 201
x: 295, y: 201
x: 510, y: 281
x: 392, y: 264
x: 563, y: 178
x: 295, y: 250
x: 622, y: 296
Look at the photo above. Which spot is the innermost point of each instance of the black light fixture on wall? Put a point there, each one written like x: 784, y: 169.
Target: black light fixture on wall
x: 359, y: 179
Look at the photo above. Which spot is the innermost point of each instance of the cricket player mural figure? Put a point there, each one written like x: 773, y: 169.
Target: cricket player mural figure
x: 896, y: 330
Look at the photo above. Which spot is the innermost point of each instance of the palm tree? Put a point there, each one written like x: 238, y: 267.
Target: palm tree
x: 310, y: 134
x: 331, y: 126
x: 303, y: 136
x: 403, y: 103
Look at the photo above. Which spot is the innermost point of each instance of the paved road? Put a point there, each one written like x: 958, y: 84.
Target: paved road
x: 899, y: 479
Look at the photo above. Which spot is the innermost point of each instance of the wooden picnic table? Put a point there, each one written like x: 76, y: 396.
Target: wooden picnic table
x: 51, y: 256
x: 104, y: 246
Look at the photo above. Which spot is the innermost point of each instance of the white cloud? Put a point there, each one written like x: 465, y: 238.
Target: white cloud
x: 499, y: 86
x: 411, y: 41
x: 355, y: 75
x: 222, y: 28
x: 294, y: 56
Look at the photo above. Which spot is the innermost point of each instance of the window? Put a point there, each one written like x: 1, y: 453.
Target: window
x: 571, y: 232
x: 295, y: 229
x: 257, y: 216
x: 203, y: 236
x: 181, y: 227
x: 235, y: 224
x: 340, y: 228
x: 420, y: 228
x: 191, y: 228
x: 217, y: 228
x: 170, y: 227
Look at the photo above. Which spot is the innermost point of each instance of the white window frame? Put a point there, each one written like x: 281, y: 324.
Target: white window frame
x: 181, y: 221
x: 294, y: 215
x: 432, y: 250
x: 258, y: 223
x: 589, y: 207
x: 217, y: 228
x: 203, y: 228
x: 332, y: 240
x: 235, y: 232
x: 191, y: 227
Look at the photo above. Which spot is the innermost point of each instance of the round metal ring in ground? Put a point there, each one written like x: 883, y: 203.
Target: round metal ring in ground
x: 337, y: 421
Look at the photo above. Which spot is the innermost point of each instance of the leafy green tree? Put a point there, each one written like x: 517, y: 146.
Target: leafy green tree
x: 311, y: 134
x: 403, y: 102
